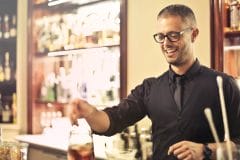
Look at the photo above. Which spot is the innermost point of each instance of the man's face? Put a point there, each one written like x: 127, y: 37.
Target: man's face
x: 179, y: 52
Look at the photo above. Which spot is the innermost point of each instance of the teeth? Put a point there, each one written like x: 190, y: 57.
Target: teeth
x: 170, y: 50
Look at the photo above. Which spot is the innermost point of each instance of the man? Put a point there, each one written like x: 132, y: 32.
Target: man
x: 180, y: 129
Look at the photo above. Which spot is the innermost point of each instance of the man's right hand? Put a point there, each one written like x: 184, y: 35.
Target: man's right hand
x: 97, y: 119
x: 80, y: 109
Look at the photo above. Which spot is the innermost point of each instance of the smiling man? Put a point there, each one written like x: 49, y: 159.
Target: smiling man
x: 174, y: 101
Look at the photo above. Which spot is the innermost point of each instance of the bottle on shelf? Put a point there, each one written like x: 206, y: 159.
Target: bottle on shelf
x: 62, y: 86
x: 138, y: 144
x: 48, y: 88
x: 6, y: 114
x: 1, y: 27
x: 7, y: 68
x: 14, y: 107
x: 1, y: 107
x: 234, y: 15
x: 13, y: 26
x: 1, y: 73
x: 146, y: 142
x: 6, y: 28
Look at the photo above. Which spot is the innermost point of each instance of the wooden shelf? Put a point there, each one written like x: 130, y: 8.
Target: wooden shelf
x: 10, y: 126
x: 68, y: 5
x: 230, y: 34
x: 73, y: 51
x: 231, y: 48
x: 9, y: 40
x: 39, y: 101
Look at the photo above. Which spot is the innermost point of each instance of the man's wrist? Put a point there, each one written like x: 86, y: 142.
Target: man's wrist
x: 207, y: 152
x: 90, y: 112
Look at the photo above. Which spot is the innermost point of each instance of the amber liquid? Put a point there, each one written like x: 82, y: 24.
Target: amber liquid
x: 81, y: 152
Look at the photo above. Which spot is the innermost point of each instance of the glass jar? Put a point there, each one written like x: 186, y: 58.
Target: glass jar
x: 81, y: 142
x: 13, y: 150
x: 228, y: 152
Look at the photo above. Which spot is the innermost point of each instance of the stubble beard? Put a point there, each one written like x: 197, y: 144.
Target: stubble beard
x: 176, y: 61
x: 180, y: 59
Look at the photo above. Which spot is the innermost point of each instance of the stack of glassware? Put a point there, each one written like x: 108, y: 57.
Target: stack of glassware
x: 12, y: 150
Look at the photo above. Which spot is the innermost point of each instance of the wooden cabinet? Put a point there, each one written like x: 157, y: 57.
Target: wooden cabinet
x: 8, y: 61
x: 75, y: 49
x: 225, y: 36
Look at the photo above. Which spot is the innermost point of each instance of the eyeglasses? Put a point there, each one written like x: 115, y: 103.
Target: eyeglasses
x: 171, y: 36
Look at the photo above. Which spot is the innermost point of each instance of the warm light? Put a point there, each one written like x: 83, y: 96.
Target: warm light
x: 77, y: 51
x: 228, y: 48
x: 57, y: 2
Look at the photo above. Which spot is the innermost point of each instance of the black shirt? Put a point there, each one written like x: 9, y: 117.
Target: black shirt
x: 154, y: 98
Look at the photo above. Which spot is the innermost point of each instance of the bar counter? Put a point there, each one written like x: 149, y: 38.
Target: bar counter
x: 54, y: 147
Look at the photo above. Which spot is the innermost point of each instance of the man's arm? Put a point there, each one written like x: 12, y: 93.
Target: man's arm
x: 191, y: 150
x: 97, y: 119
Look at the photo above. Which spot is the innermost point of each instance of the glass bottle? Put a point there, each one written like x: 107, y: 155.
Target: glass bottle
x: 7, y: 69
x: 62, y: 86
x: 80, y: 142
x: 234, y: 15
x: 14, y: 107
x: 146, y: 142
x: 6, y: 28
x: 1, y: 73
x: 1, y: 27
x: 1, y: 107
x: 6, y: 114
x: 13, y: 26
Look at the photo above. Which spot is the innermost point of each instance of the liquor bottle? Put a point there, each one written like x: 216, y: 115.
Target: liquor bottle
x: 7, y: 69
x: 146, y: 142
x: 138, y: 154
x: 1, y: 27
x: 6, y: 114
x: 13, y: 26
x: 6, y: 28
x: 1, y: 107
x: 234, y: 15
x: 62, y: 86
x: 1, y: 73
x: 14, y: 107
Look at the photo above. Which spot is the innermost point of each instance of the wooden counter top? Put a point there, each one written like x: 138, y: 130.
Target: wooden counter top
x: 60, y: 143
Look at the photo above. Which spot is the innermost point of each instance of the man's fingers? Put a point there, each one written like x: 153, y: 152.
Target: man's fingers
x: 174, y: 147
x: 184, y: 154
x: 73, y: 119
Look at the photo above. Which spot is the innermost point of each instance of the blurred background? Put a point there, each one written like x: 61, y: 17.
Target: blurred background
x: 55, y: 50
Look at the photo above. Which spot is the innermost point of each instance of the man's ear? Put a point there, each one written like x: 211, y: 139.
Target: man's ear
x: 194, y: 34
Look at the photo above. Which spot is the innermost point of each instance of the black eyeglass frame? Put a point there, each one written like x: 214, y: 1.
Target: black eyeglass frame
x: 168, y: 35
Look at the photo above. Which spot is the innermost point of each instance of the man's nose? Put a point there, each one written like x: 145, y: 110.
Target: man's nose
x: 166, y: 41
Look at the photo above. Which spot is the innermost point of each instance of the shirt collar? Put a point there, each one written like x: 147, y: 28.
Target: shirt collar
x: 195, y: 68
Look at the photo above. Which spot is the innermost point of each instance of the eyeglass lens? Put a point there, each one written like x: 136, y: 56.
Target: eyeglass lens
x: 172, y: 36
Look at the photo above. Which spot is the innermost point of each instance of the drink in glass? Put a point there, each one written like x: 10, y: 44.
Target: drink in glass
x: 80, y: 142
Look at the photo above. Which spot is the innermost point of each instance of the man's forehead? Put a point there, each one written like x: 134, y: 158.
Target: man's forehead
x: 170, y: 16
x: 174, y: 21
